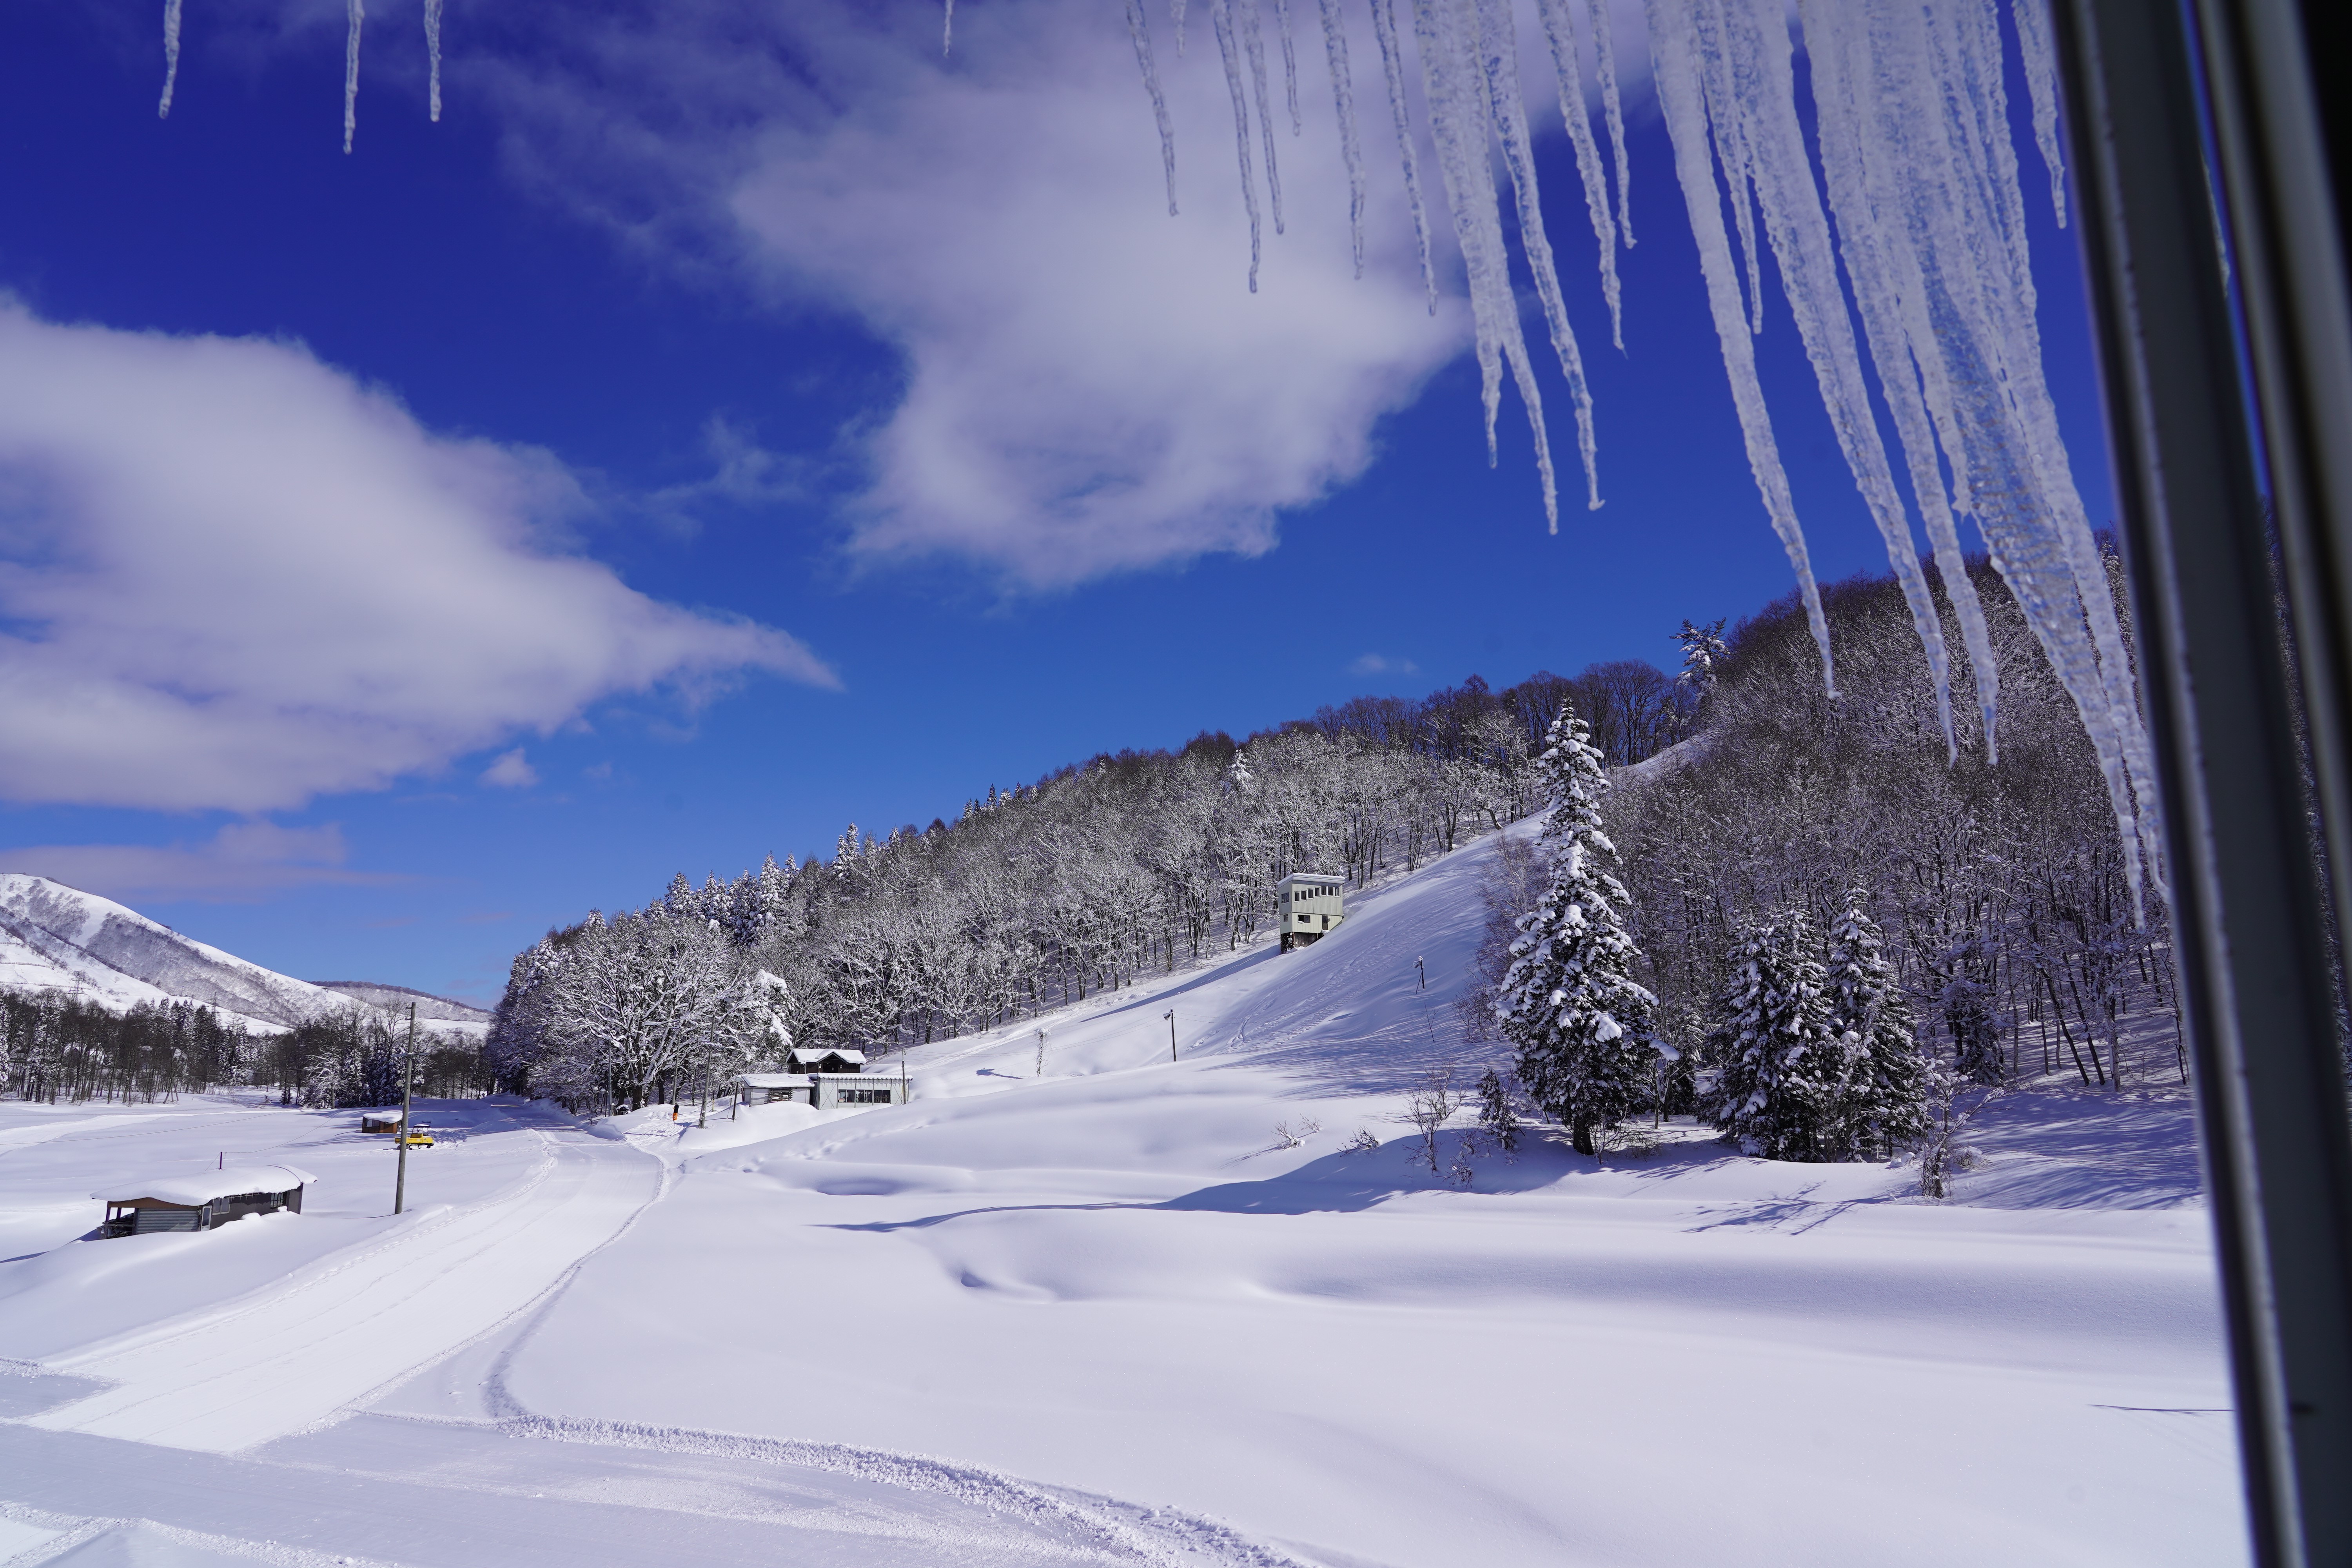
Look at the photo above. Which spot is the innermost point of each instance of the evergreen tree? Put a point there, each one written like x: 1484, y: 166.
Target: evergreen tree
x: 1885, y: 1076
x: 1497, y: 1117
x: 1570, y: 1002
x: 1782, y: 1068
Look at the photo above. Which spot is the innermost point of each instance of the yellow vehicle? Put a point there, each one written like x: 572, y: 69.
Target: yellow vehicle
x: 420, y: 1139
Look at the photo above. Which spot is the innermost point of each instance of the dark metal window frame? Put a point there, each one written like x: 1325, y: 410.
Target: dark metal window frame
x: 2148, y: 84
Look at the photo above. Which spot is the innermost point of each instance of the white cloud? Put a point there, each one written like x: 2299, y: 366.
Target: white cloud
x: 232, y: 577
x: 242, y: 861
x: 510, y: 771
x: 1378, y: 664
x: 1089, y: 385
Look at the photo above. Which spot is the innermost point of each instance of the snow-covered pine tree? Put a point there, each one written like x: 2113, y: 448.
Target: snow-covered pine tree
x: 1884, y: 1106
x: 1782, y: 1078
x: 1498, y: 1117
x: 1569, y: 1003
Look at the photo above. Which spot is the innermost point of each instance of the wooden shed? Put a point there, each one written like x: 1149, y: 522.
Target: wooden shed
x: 379, y: 1120
x: 1309, y: 905
x: 204, y: 1201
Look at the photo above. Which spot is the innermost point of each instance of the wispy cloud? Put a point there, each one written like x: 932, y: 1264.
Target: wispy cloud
x: 232, y: 578
x: 241, y: 863
x: 1381, y: 664
x: 1089, y: 384
x: 510, y: 771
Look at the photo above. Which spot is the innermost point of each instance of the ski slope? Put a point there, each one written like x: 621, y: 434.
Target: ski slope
x: 1101, y: 1312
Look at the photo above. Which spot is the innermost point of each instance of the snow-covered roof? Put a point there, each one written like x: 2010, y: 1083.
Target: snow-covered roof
x: 776, y: 1079
x: 1319, y: 879
x: 809, y: 1054
x: 206, y: 1185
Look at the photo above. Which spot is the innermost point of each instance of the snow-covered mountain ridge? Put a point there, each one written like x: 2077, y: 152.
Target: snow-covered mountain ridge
x: 57, y: 938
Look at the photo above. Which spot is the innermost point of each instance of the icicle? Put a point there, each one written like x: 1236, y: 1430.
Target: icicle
x: 1942, y: 203
x: 1393, y: 67
x: 1721, y: 97
x: 1289, y: 64
x: 1755, y: 35
x: 1674, y: 30
x: 1498, y: 55
x: 1142, y: 38
x: 1604, y: 60
x: 358, y: 14
x: 1881, y: 285
x: 1560, y: 34
x: 1458, y: 123
x: 1222, y: 20
x: 1253, y: 38
x: 1176, y: 10
x: 947, y: 28
x: 1343, y: 99
x: 2033, y: 19
x: 171, y: 57
x: 432, y: 56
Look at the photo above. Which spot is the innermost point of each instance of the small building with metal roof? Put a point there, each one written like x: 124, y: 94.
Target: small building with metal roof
x: 204, y: 1201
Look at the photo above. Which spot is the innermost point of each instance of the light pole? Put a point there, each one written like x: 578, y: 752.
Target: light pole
x: 407, y: 1099
x: 1170, y: 1017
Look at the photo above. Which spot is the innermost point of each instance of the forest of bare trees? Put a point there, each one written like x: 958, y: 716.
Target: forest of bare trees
x: 1045, y: 893
x: 2000, y: 884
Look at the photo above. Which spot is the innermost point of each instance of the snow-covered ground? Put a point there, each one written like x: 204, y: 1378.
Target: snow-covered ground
x: 1102, y: 1313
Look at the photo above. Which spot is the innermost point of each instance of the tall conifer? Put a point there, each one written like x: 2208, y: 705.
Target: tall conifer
x: 1782, y: 1070
x: 1570, y: 1002
x: 1885, y: 1102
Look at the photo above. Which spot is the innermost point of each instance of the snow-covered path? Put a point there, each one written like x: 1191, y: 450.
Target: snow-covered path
x: 229, y: 1376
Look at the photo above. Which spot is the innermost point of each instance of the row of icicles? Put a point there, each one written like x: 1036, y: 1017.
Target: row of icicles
x: 1912, y: 131
x: 356, y: 17
x: 1925, y: 216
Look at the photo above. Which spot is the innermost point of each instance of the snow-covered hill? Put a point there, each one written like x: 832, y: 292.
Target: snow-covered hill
x: 57, y: 938
x: 439, y: 1011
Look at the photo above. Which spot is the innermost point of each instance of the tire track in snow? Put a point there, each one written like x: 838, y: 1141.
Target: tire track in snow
x: 1154, y: 1536
x: 283, y: 1364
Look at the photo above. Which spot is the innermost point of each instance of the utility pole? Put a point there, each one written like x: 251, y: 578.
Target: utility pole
x: 408, y: 1100
x: 1170, y: 1017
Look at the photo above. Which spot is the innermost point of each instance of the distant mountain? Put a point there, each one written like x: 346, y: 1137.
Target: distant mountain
x: 57, y: 938
x: 395, y: 999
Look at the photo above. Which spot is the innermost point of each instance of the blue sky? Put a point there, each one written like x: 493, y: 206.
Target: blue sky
x: 857, y: 428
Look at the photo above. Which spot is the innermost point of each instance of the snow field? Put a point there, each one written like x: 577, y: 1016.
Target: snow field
x: 1106, y: 1314
x: 1107, y: 1280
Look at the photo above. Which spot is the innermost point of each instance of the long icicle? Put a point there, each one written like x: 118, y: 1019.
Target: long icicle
x: 1222, y: 20
x: 1253, y: 38
x: 171, y: 57
x: 1459, y: 121
x: 433, y: 56
x: 357, y: 14
x: 1142, y: 38
x: 1392, y: 66
x: 1289, y: 64
x: 1756, y: 36
x: 1343, y: 99
x: 2033, y: 21
x: 1560, y: 34
x: 1491, y: 24
x: 1176, y: 11
x: 1604, y: 63
x: 1673, y: 33
x: 1884, y: 275
x: 1731, y: 150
